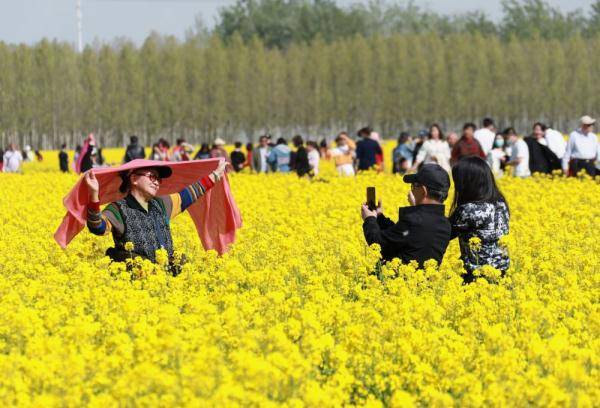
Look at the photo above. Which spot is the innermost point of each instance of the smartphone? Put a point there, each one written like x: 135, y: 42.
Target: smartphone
x: 371, y: 200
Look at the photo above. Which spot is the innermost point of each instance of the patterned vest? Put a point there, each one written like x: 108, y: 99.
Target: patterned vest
x: 148, y: 231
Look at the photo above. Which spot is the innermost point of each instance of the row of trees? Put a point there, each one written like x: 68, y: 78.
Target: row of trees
x: 49, y: 93
x: 279, y: 23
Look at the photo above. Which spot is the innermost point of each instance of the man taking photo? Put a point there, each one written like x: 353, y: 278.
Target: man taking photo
x: 422, y: 231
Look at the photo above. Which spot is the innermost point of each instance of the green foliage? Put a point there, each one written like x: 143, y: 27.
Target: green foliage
x: 50, y: 94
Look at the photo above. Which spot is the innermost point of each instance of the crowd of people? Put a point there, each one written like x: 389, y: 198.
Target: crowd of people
x: 543, y: 150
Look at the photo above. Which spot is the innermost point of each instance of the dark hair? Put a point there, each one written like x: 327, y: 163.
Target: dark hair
x: 364, y: 131
x: 263, y: 137
x: 237, y: 145
x: 403, y: 138
x: 469, y: 125
x: 179, y: 141
x: 509, y: 131
x: 323, y: 143
x: 487, y: 122
x: 435, y: 125
x: 437, y: 195
x: 297, y: 141
x: 474, y: 182
x: 281, y: 140
x: 163, y: 142
x: 133, y: 139
x: 541, y: 125
x: 249, y: 147
x: 313, y: 144
x: 63, y: 146
x: 204, y: 148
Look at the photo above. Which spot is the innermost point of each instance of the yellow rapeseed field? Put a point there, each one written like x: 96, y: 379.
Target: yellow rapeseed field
x: 293, y: 314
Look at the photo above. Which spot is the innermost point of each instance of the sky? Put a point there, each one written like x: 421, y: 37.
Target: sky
x: 28, y: 21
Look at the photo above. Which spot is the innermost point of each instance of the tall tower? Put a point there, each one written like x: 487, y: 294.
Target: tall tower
x: 79, y: 27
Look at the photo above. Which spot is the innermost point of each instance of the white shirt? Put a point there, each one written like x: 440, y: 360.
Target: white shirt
x: 486, y: 138
x: 313, y: 160
x: 521, y: 151
x: 494, y: 160
x: 555, y: 142
x: 580, y: 146
x: 264, y: 154
x: 12, y: 161
x: 435, y: 151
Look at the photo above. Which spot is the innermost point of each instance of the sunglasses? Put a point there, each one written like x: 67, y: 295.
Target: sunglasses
x: 151, y: 176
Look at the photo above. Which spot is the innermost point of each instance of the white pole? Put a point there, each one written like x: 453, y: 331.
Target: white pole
x: 79, y: 27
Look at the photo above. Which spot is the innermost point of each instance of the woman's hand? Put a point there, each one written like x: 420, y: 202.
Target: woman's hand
x: 219, y: 172
x: 93, y: 186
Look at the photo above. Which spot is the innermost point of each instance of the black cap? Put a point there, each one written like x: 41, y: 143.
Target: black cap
x: 432, y: 176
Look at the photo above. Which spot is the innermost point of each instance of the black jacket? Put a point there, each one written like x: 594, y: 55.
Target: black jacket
x: 541, y: 158
x: 421, y: 233
x: 134, y: 151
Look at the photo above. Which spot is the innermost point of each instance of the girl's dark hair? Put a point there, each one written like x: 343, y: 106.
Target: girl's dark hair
x: 474, y: 182
x: 541, y: 125
x: 204, y: 148
x: 297, y: 141
x: 313, y: 144
x: 403, y: 137
x: 249, y: 147
x: 281, y: 140
x: 435, y: 125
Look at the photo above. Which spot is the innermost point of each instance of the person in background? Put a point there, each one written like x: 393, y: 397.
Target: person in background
x: 27, y: 154
x: 479, y: 211
x: 178, y: 151
x: 343, y: 154
x: 249, y: 152
x: 324, y: 149
x: 434, y: 150
x: 497, y: 156
x: 218, y: 150
x: 422, y: 231
x: 452, y: 139
x: 164, y: 147
x: 280, y: 156
x: 203, y: 153
x: 554, y: 140
x: 519, y: 156
x: 378, y: 157
x: 486, y: 135
x: 367, y: 150
x: 402, y: 155
x: 134, y: 150
x: 38, y: 155
x: 155, y: 154
x: 467, y: 145
x: 12, y: 159
x: 260, y: 156
x: 300, y: 157
x: 418, y: 143
x: 582, y: 149
x: 541, y: 158
x: 314, y: 157
x: 77, y: 153
x: 237, y: 157
x: 1, y: 159
x: 63, y: 159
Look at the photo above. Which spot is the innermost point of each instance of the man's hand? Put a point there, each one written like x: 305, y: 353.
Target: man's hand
x: 93, y: 186
x: 220, y: 170
x: 366, y: 213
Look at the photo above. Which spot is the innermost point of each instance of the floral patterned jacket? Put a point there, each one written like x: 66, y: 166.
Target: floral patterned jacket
x: 488, y: 222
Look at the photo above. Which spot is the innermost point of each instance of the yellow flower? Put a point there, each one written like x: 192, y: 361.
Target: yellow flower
x: 129, y: 246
